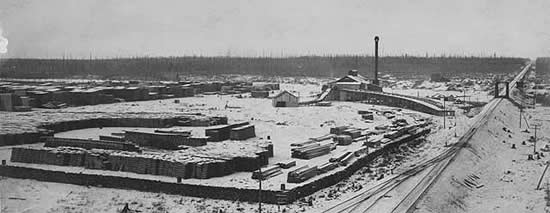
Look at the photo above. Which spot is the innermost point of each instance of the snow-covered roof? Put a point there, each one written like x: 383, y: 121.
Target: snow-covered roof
x: 356, y: 78
x: 283, y: 92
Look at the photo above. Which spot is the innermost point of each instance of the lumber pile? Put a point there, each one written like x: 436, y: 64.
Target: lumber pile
x: 174, y: 131
x: 267, y: 173
x: 305, y: 143
x: 223, y: 132
x: 339, y: 157
x: 311, y: 151
x: 302, y: 174
x: 338, y: 130
x: 96, y: 159
x: 323, y: 138
x: 111, y: 138
x: 368, y: 116
x: 343, y: 140
x: 323, y: 168
x: 62, y: 156
x: 90, y: 144
x: 354, y: 133
x: 163, y: 140
x: 259, y: 94
x: 346, y: 159
x: 361, y: 151
x: 242, y: 133
x: 287, y: 164
x: 181, y: 163
x: 363, y: 112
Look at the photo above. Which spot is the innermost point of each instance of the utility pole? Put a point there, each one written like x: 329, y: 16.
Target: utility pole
x: 520, y: 112
x: 444, y: 113
x: 260, y: 177
x: 536, y: 126
x: 260, y: 191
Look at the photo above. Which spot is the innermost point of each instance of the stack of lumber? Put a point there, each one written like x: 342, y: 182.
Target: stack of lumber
x: 62, y: 156
x: 323, y: 168
x: 259, y: 94
x: 287, y: 164
x: 96, y: 159
x: 373, y: 132
x: 417, y: 132
x: 339, y: 157
x: 90, y: 144
x: 174, y: 131
x: 118, y: 134
x: 399, y: 132
x: 381, y: 127
x: 311, y: 151
x: 362, y: 138
x: 338, y: 130
x: 163, y: 140
x: 223, y: 132
x: 242, y: 133
x: 194, y: 141
x: 111, y: 138
x: 344, y: 161
x: 323, y: 138
x: 354, y: 133
x: 305, y: 143
x: 368, y: 116
x: 361, y: 151
x: 403, y: 138
x: 363, y: 112
x: 217, y: 160
x: 267, y: 173
x: 302, y: 174
x: 343, y: 140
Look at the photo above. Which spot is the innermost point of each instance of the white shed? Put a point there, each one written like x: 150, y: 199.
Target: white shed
x: 285, y: 99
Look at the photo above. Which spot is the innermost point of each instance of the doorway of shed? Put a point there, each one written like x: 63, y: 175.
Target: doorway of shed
x: 280, y: 104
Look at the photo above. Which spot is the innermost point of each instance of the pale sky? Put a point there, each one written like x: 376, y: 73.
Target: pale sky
x: 123, y: 28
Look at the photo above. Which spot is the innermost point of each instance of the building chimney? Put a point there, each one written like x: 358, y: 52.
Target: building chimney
x: 375, y: 81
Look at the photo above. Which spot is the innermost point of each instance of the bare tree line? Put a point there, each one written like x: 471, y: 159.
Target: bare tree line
x: 159, y: 68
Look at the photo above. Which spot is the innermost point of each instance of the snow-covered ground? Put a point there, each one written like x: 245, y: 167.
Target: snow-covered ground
x: 283, y: 125
x: 507, y: 179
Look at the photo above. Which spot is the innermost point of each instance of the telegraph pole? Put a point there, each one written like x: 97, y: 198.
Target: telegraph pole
x: 260, y: 191
x: 260, y: 177
x: 444, y: 113
x: 520, y: 112
x: 536, y: 126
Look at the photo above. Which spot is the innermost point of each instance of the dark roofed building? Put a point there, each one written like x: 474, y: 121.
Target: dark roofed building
x: 355, y: 81
x: 285, y: 99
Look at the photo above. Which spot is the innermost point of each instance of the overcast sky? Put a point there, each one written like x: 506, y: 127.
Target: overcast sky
x: 80, y: 28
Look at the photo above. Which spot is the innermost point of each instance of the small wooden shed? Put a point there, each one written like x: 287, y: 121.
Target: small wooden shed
x: 285, y: 99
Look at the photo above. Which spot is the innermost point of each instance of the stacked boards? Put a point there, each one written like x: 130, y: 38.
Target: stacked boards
x: 90, y: 144
x: 181, y: 163
x: 302, y: 174
x: 237, y: 131
x: 267, y: 173
x: 163, y: 140
x: 311, y: 151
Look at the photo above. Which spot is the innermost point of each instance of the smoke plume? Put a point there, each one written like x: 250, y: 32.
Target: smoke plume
x: 3, y: 43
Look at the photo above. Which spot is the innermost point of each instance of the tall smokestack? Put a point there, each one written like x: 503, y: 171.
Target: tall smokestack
x: 375, y: 81
x: 3, y: 43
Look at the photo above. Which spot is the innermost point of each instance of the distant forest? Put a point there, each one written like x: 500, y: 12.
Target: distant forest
x: 169, y: 68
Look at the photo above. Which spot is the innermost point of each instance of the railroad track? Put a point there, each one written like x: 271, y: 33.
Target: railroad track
x: 367, y: 200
